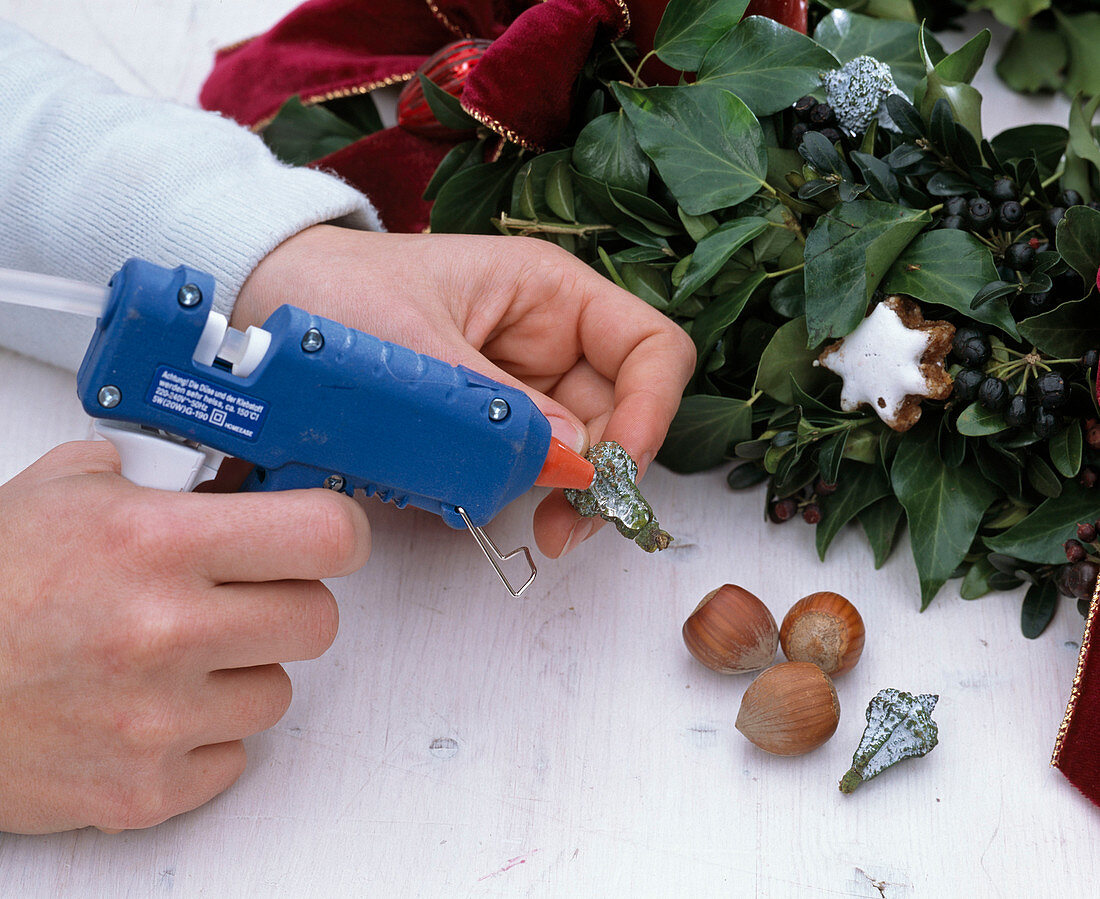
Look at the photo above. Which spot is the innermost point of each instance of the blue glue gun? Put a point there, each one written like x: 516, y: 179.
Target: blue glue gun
x: 310, y: 403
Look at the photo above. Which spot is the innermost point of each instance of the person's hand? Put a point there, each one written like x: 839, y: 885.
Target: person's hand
x: 141, y: 631
x: 600, y: 363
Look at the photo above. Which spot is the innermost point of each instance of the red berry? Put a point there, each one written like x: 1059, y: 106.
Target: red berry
x: 1086, y: 532
x: 1092, y: 433
x: 812, y: 513
x: 1088, y: 477
x: 783, y: 510
x: 1075, y: 552
x: 824, y: 488
x: 1035, y: 243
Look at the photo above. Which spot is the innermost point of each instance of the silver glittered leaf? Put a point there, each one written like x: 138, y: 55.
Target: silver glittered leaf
x: 899, y: 726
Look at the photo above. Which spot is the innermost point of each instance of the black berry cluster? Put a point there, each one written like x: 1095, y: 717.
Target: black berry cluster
x: 810, y: 115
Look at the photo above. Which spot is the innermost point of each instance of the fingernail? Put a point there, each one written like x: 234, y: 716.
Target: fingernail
x: 568, y: 433
x: 580, y: 532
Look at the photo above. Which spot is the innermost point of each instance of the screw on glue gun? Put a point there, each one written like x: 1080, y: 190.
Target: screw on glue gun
x: 310, y: 403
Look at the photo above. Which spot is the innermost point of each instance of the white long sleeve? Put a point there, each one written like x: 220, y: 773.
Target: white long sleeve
x: 91, y: 176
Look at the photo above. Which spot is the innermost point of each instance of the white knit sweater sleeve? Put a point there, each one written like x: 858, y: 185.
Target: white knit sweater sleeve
x: 91, y: 176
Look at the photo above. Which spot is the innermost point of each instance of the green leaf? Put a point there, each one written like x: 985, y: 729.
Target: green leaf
x: 714, y: 251
x: 975, y: 583
x: 949, y: 79
x: 721, y: 312
x: 1039, y: 537
x: 1082, y: 140
x: 1013, y: 13
x: 607, y: 151
x: 863, y: 486
x: 706, y: 144
x: 1040, y: 604
x: 703, y: 430
x: 1066, y: 448
x: 457, y: 158
x: 943, y: 505
x: 977, y: 421
x: 848, y: 252
x: 1082, y: 36
x: 848, y: 35
x: 529, y: 187
x: 689, y: 27
x: 881, y: 522
x: 470, y: 200
x: 1078, y: 241
x: 1065, y: 332
x: 359, y: 111
x: 950, y: 267
x: 446, y: 107
x: 1033, y: 60
x: 300, y: 134
x: 1048, y: 142
x: 1042, y: 477
x: 785, y: 357
x: 646, y: 282
x: 559, y: 192
x: 766, y: 64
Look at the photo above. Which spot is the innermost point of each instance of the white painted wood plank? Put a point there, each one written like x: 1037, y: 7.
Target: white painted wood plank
x: 458, y: 742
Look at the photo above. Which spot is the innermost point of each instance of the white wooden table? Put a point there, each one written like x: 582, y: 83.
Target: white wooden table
x: 458, y: 742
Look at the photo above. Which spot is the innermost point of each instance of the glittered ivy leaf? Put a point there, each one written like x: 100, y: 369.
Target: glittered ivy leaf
x: 944, y: 505
x: 705, y: 142
x: 702, y: 432
x: 1078, y: 241
x: 848, y: 35
x: 1039, y: 537
x: 607, y: 151
x: 949, y: 267
x: 689, y: 28
x: 766, y: 64
x: 848, y: 252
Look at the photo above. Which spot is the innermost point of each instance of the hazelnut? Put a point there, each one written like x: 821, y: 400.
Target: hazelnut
x: 789, y: 709
x: 823, y: 628
x: 731, y: 631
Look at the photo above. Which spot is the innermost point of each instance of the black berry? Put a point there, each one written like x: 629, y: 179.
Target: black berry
x: 830, y: 134
x: 1003, y: 189
x: 967, y: 383
x: 1020, y: 256
x: 1017, y: 412
x: 1051, y: 218
x: 1090, y: 360
x: 798, y: 131
x: 1010, y: 215
x: 1088, y: 477
x: 1050, y: 389
x: 993, y: 394
x: 1094, y: 204
x: 1034, y: 303
x: 954, y: 206
x: 1079, y: 579
x: 822, y: 114
x: 1070, y: 198
x: 972, y: 347
x: 803, y: 105
x: 953, y: 222
x: 1043, y: 423
x: 980, y: 212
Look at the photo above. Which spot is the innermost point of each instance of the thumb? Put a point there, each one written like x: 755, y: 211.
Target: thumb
x: 564, y: 425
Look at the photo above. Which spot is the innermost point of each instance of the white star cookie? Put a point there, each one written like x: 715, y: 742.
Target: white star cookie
x: 891, y: 361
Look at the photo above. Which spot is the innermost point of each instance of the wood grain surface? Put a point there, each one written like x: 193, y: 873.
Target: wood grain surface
x: 458, y: 742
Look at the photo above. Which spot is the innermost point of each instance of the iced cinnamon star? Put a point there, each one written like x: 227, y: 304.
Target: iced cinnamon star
x: 892, y: 361
x: 615, y: 497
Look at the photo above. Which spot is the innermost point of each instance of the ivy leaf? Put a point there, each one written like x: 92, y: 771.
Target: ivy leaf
x: 1078, y: 241
x: 766, y: 64
x: 1033, y: 60
x: 1047, y: 142
x: 1082, y: 35
x: 787, y: 357
x: 714, y: 251
x: 468, y: 202
x: 1039, y: 537
x: 848, y: 252
x: 607, y: 151
x: 848, y: 35
x: 881, y: 522
x: 703, y: 430
x: 863, y: 486
x: 706, y: 144
x: 689, y: 27
x: 950, y: 268
x: 1014, y: 13
x: 949, y: 80
x: 1066, y: 448
x: 977, y: 421
x: 1064, y: 332
x: 300, y: 134
x: 943, y: 505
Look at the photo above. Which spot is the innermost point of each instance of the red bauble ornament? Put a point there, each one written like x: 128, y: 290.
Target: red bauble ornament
x: 447, y: 69
x: 791, y: 13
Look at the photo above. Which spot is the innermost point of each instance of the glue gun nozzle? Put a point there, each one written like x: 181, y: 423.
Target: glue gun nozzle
x: 565, y: 468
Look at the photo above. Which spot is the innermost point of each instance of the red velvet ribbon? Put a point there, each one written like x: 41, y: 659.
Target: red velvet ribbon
x: 521, y: 88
